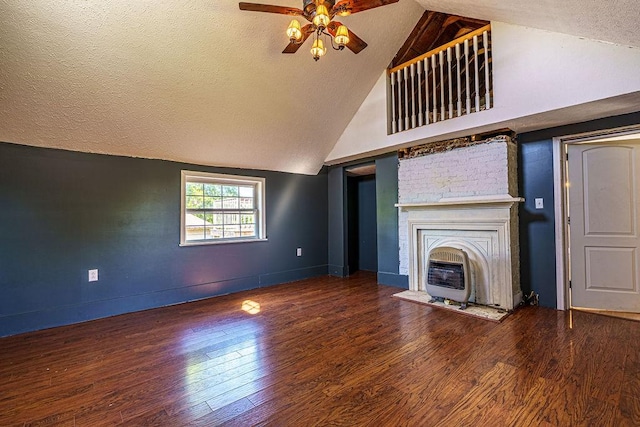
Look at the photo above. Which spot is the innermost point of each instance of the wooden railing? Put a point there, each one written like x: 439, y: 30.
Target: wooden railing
x: 450, y: 81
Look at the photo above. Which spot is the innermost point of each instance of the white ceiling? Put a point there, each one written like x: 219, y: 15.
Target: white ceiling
x: 615, y: 21
x: 202, y: 82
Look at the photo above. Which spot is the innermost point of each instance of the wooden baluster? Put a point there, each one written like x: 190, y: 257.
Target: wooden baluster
x: 450, y: 81
x: 420, y: 115
x: 413, y: 95
x: 426, y: 90
x: 442, y: 108
x: 458, y: 90
x: 467, y: 76
x: 487, y: 83
x: 433, y: 78
x: 477, y: 78
x: 406, y: 98
x: 400, y: 103
x: 394, y: 127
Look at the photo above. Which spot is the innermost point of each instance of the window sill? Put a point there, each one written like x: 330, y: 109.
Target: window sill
x: 219, y: 242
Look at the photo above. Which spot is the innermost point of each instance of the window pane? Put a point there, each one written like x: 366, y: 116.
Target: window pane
x: 210, y: 233
x: 195, y: 202
x: 248, y: 230
x: 208, y: 218
x: 194, y: 189
x: 232, y: 218
x: 246, y: 191
x: 248, y: 218
x: 194, y: 219
x: 231, y: 231
x: 217, y: 219
x: 212, y: 190
x: 216, y: 232
x: 209, y: 202
x: 246, y: 203
x: 217, y: 203
x: 230, y: 190
x: 194, y: 232
x: 230, y: 203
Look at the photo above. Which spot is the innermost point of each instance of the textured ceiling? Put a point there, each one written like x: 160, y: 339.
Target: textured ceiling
x: 202, y: 82
x: 196, y: 81
x: 615, y: 21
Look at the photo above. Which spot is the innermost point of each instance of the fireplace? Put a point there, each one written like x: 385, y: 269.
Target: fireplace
x: 459, y: 194
x: 485, y: 228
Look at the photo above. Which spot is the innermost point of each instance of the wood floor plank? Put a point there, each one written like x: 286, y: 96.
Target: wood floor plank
x: 224, y: 413
x: 545, y: 404
x: 324, y: 351
x: 629, y: 411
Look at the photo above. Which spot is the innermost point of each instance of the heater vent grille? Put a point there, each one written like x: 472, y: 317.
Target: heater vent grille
x: 448, y: 274
x: 446, y: 255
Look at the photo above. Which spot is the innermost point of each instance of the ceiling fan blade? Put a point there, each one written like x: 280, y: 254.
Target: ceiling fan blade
x: 356, y: 44
x: 307, y: 30
x: 255, y: 7
x: 355, y: 6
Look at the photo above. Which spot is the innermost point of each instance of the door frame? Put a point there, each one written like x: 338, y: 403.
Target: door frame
x: 560, y: 201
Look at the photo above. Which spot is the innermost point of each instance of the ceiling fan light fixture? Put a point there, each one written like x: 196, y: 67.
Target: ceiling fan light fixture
x: 293, y: 32
x: 318, y: 49
x: 319, y: 14
x: 321, y: 19
x: 342, y: 36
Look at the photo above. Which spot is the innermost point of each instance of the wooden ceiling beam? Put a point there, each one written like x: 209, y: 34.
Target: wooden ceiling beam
x: 432, y: 30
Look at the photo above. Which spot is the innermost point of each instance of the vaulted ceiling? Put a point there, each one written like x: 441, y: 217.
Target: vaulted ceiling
x: 200, y: 81
x: 614, y: 21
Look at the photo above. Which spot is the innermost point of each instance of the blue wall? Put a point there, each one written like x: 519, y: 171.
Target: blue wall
x: 361, y: 223
x: 386, y: 188
x: 367, y: 230
x: 537, y: 227
x: 387, y: 218
x: 337, y: 234
x: 63, y: 213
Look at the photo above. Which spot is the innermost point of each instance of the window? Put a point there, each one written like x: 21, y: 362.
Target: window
x: 218, y: 208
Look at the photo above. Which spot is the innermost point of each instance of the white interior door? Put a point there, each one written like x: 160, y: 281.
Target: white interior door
x: 603, y: 210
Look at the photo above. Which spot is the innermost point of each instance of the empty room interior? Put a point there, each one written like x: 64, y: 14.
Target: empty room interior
x: 319, y: 212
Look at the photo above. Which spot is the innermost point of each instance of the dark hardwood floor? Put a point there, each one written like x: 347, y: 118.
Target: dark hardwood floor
x: 325, y: 351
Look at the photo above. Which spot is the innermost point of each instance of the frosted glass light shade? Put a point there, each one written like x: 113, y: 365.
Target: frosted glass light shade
x: 293, y: 32
x: 318, y: 49
x: 342, y: 36
x: 322, y: 16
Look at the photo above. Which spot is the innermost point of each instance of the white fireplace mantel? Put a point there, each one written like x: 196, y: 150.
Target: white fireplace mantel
x: 485, y: 227
x: 470, y: 202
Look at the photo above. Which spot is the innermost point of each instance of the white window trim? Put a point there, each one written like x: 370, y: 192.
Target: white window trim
x: 260, y: 185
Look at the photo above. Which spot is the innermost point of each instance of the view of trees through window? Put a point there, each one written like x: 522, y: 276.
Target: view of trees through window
x: 219, y: 211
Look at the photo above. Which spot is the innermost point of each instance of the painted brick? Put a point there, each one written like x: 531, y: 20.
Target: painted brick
x: 477, y: 170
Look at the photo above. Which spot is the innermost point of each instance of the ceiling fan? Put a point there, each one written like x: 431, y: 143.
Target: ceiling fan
x: 320, y: 14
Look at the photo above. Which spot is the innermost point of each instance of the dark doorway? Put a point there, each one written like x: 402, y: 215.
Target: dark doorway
x: 362, y: 223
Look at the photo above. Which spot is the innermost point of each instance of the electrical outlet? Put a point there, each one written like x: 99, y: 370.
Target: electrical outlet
x: 299, y: 252
x: 93, y: 275
x: 540, y: 203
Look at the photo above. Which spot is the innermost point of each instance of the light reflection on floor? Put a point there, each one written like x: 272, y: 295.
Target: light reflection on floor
x: 251, y: 307
x: 212, y: 372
